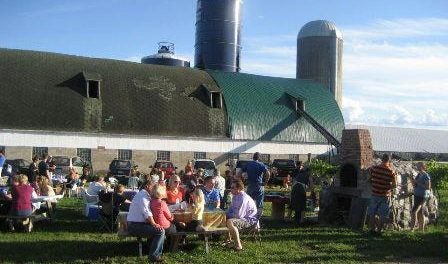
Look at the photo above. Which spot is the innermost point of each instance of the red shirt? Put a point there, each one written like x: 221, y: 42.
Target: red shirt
x: 160, y: 213
x: 173, y: 198
x: 21, y: 197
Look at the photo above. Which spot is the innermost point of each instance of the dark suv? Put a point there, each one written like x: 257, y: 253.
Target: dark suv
x: 17, y: 166
x: 281, y: 168
x: 120, y: 169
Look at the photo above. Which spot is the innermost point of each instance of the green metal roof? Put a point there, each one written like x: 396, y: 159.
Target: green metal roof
x: 259, y: 108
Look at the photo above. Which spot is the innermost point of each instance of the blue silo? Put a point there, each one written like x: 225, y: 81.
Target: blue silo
x: 218, y: 35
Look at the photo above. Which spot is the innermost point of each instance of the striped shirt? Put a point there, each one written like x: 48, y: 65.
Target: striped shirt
x: 383, y: 180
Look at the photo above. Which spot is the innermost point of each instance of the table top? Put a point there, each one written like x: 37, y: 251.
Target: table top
x: 47, y: 198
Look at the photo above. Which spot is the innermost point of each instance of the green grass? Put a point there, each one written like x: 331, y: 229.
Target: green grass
x: 73, y: 239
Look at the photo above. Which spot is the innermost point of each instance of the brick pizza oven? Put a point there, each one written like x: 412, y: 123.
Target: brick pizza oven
x: 345, y: 202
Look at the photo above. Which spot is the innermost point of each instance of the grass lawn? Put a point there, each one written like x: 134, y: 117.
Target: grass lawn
x: 73, y: 239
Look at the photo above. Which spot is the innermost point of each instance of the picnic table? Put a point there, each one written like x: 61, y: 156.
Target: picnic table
x: 279, y: 203
x: 214, y: 223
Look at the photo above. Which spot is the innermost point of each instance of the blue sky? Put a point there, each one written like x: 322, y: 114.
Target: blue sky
x: 395, y: 62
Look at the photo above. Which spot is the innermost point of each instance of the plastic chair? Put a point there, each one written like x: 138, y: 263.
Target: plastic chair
x: 90, y: 201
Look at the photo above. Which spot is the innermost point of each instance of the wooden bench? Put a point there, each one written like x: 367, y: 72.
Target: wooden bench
x: 176, y: 237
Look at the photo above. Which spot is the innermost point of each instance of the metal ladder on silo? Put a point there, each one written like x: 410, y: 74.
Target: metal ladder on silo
x: 327, y: 135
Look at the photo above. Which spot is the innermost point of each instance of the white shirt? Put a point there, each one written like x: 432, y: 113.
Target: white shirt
x: 95, y: 188
x: 139, y: 211
x: 220, y: 184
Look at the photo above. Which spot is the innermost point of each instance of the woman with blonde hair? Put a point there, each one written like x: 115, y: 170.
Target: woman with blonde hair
x: 160, y: 211
x: 21, y: 194
x: 197, y: 208
x: 45, y: 189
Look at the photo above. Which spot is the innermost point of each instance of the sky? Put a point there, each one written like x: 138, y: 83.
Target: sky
x: 395, y: 60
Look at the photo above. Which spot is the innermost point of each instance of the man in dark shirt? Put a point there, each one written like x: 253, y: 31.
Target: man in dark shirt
x: 257, y: 176
x: 43, y: 166
x: 33, y: 170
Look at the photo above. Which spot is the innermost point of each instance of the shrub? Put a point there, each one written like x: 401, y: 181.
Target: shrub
x: 439, y: 175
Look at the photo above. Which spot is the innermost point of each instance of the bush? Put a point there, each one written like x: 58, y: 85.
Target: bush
x: 322, y: 172
x: 439, y: 175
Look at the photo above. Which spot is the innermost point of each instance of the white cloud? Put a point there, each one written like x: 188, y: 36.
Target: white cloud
x: 399, y: 28
x: 352, y: 110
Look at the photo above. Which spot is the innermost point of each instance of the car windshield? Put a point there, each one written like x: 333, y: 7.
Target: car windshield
x: 205, y: 164
x: 121, y: 164
x: 163, y: 165
x: 61, y: 161
x: 283, y: 163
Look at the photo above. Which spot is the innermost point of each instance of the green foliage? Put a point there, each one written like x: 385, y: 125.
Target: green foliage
x: 439, y: 174
x: 321, y: 168
x: 71, y: 238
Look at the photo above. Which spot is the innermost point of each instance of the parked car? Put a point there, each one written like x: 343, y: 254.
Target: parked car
x: 280, y: 168
x: 12, y: 167
x: 207, y: 164
x: 166, y: 166
x: 64, y: 163
x: 240, y: 164
x: 121, y: 167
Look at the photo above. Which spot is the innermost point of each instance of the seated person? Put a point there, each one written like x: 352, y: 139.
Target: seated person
x: 141, y: 222
x: 97, y: 186
x: 211, y: 194
x: 160, y: 212
x: 174, y: 193
x: 197, y: 210
x: 72, y: 178
x: 85, y: 176
x: 120, y: 202
x: 45, y: 189
x: 287, y: 181
x: 242, y: 213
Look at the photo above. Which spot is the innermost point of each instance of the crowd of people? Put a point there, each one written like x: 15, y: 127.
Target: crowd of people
x: 149, y: 214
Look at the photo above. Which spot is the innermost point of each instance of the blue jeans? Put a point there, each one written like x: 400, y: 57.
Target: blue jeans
x: 379, y: 205
x: 257, y: 193
x: 144, y: 229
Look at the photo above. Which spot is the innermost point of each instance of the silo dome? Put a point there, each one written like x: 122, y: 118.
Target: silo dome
x: 319, y: 55
x: 319, y: 28
x: 165, y: 56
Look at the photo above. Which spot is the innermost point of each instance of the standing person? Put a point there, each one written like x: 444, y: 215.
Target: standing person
x: 422, y: 185
x: 43, y: 168
x: 141, y: 222
x: 383, y: 181
x: 257, y: 176
x: 2, y: 160
x: 242, y: 213
x: 33, y: 172
x: 220, y: 185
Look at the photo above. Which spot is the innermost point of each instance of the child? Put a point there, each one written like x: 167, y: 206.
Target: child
x: 159, y: 209
x: 287, y: 182
x: 197, y: 208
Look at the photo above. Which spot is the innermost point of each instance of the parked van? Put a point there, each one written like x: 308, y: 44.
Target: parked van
x: 207, y: 164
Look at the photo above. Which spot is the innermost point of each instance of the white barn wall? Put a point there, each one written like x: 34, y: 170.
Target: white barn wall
x: 104, y: 147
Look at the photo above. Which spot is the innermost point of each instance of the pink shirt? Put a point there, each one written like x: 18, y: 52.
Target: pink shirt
x: 160, y: 212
